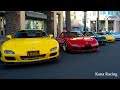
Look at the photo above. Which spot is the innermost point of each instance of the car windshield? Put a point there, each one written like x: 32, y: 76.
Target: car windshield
x: 30, y: 34
x: 101, y: 33
x: 96, y: 34
x: 115, y: 33
x: 73, y: 34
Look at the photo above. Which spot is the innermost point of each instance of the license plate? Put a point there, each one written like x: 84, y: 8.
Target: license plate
x: 33, y: 53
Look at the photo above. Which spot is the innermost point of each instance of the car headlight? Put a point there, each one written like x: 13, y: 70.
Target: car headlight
x: 74, y: 44
x: 8, y: 52
x: 53, y: 49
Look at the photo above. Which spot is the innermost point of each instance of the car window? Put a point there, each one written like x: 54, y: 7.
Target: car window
x: 73, y: 34
x: 62, y: 34
x: 30, y: 34
x: 88, y: 34
x: 100, y: 33
x: 108, y: 33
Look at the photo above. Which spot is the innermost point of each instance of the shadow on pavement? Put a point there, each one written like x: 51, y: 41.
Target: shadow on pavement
x: 28, y: 65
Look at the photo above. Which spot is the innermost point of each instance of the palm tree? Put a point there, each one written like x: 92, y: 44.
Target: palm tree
x: 12, y: 22
x: 85, y: 20
x: 97, y: 21
x: 68, y: 20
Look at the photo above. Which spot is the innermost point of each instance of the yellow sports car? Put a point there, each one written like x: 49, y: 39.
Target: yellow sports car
x: 109, y: 38
x: 29, y: 46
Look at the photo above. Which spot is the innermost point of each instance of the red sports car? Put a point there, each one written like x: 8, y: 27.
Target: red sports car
x: 76, y: 42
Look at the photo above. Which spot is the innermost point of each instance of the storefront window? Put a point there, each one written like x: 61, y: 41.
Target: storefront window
x: 28, y: 23
x: 110, y: 12
x: 101, y: 12
x: 31, y: 26
x: 94, y: 13
x: 34, y: 24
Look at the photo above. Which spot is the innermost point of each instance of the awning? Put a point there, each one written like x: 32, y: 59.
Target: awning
x: 36, y: 15
x: 113, y: 16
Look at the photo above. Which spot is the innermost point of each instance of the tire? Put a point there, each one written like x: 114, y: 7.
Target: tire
x: 65, y: 47
x: 56, y: 59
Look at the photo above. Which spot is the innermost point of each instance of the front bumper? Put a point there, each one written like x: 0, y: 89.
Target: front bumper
x: 102, y: 42
x: 34, y: 62
x: 25, y: 59
x: 111, y: 40
x: 84, y: 49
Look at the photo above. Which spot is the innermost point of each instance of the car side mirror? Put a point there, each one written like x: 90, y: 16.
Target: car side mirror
x: 51, y: 36
x: 9, y: 36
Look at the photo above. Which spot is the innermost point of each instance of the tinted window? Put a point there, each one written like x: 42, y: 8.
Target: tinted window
x: 73, y: 34
x: 30, y: 34
x: 88, y: 33
x: 100, y: 33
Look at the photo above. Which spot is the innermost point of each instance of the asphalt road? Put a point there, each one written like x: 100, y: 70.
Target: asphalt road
x: 71, y: 66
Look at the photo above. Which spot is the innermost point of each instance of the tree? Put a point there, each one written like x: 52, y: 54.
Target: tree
x: 12, y: 22
x: 68, y: 20
x: 97, y: 21
x: 49, y: 31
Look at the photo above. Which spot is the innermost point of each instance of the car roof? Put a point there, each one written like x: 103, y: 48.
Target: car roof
x: 30, y: 29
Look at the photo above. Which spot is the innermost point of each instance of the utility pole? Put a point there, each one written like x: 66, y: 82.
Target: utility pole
x: 97, y: 28
x: 85, y: 20
x: 49, y: 31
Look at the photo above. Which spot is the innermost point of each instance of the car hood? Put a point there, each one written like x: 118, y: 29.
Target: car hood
x: 30, y: 42
x: 98, y: 37
x: 110, y: 37
x: 82, y: 40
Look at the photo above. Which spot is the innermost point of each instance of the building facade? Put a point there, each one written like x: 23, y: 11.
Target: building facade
x: 37, y: 20
x: 77, y: 20
x: 32, y: 20
x: 108, y: 20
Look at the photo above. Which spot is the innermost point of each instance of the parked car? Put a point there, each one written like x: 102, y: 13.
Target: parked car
x: 115, y: 34
x: 29, y: 46
x: 76, y: 42
x: 101, y: 39
x: 110, y: 38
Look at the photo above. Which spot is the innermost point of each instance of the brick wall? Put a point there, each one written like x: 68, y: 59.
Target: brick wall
x: 12, y: 22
